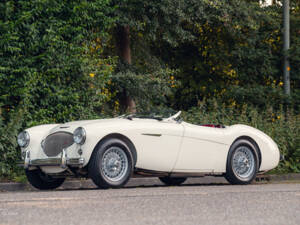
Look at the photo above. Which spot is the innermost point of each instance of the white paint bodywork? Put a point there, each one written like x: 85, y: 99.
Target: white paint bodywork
x: 166, y: 146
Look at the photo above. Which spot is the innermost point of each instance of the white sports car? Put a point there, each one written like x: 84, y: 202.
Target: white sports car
x: 110, y: 151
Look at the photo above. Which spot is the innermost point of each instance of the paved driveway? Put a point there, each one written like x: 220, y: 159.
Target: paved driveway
x: 149, y: 202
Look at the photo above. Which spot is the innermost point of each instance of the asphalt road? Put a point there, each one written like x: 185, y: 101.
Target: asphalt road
x: 149, y: 202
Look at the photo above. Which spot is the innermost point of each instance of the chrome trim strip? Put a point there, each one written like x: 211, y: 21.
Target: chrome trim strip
x: 155, y: 135
x: 46, y: 162
x: 27, y: 159
x: 75, y: 161
x: 57, y: 162
x: 64, y: 159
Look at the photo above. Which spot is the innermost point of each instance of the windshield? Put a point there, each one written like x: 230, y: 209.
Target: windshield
x: 162, y: 115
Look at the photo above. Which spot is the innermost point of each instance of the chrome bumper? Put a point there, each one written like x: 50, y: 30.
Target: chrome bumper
x: 63, y: 161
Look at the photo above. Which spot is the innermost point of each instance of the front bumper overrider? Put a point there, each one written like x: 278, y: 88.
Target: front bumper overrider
x: 62, y: 162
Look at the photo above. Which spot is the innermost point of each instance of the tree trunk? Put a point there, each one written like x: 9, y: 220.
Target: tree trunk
x: 125, y: 54
x: 125, y: 51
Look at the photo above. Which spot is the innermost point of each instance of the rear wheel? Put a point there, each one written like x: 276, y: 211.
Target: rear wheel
x: 172, y: 180
x: 111, y: 164
x: 42, y: 181
x: 242, y: 162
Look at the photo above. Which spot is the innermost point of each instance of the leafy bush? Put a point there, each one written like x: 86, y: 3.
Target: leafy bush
x: 8, y: 146
x: 49, y: 72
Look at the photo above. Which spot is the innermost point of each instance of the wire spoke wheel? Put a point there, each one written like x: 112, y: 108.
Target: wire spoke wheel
x: 114, y: 164
x: 111, y: 164
x: 243, y: 163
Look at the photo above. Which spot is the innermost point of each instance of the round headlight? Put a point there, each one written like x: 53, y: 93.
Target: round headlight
x: 79, y: 135
x: 23, y: 139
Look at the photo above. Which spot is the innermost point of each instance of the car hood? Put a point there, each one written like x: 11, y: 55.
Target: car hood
x: 71, y: 126
x: 117, y: 122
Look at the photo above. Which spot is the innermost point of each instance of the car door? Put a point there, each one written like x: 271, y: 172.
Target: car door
x: 157, y: 143
x: 203, y: 149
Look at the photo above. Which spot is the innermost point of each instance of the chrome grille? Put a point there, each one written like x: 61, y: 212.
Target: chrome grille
x: 55, y: 143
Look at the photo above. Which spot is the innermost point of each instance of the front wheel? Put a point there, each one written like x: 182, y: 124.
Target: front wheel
x: 172, y: 180
x: 111, y: 164
x: 42, y: 181
x: 242, y: 162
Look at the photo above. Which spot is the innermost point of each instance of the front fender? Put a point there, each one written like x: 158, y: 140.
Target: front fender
x: 95, y: 133
x: 37, y: 133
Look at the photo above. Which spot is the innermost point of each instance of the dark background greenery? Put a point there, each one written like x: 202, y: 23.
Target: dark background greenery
x: 219, y: 61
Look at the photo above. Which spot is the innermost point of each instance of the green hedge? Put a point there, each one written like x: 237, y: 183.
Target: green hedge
x: 49, y: 70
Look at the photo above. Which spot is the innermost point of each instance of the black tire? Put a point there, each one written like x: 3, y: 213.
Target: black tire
x: 232, y: 175
x: 97, y: 165
x: 172, y: 180
x: 42, y: 181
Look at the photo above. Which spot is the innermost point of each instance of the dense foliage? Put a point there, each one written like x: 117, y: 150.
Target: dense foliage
x: 236, y: 58
x: 48, y: 72
x: 60, y: 61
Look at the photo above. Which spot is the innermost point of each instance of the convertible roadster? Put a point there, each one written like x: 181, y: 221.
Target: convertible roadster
x: 110, y: 151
